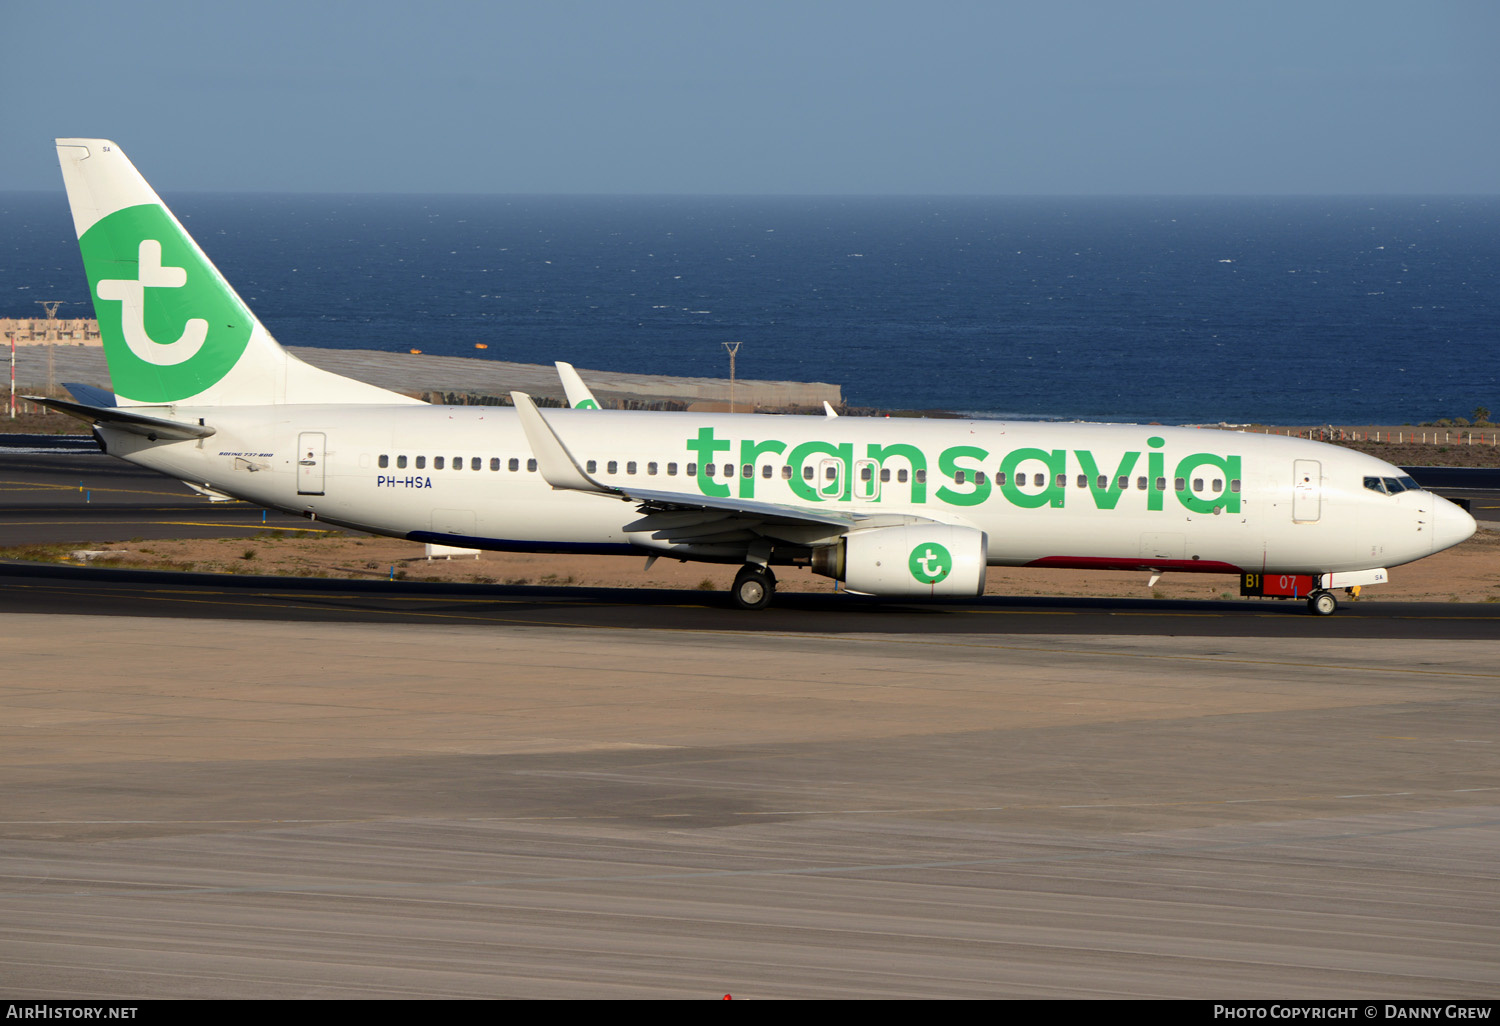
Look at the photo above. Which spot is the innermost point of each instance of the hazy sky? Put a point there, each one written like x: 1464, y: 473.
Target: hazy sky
x: 703, y: 96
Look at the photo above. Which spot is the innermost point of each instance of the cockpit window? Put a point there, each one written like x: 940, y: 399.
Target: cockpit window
x: 1392, y: 485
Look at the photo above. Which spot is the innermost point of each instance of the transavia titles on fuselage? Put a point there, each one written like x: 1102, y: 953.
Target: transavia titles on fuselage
x: 202, y: 392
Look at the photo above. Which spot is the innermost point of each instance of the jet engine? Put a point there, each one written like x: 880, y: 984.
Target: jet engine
x: 911, y: 559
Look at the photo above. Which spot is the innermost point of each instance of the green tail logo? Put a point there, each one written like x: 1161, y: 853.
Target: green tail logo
x: 171, y: 326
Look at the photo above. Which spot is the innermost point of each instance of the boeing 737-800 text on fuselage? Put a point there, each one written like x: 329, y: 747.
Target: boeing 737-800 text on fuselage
x: 202, y: 392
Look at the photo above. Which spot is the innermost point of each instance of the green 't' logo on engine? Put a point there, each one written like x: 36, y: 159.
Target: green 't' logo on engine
x: 170, y: 325
x: 930, y: 563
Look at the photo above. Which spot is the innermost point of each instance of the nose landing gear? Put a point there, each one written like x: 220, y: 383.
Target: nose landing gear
x: 1322, y: 603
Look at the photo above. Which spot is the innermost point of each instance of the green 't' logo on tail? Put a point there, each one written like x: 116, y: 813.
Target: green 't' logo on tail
x: 171, y: 326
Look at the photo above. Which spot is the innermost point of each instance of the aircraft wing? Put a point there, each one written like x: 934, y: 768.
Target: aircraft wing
x: 702, y: 515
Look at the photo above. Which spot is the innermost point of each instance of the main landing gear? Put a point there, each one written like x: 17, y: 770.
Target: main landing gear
x: 1322, y: 603
x: 753, y: 586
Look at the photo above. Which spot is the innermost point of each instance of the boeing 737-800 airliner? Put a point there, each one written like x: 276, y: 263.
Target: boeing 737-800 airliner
x: 202, y: 392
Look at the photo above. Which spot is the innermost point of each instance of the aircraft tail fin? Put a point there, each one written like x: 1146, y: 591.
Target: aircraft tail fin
x: 174, y: 330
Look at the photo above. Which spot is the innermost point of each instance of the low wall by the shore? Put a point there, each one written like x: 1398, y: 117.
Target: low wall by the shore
x: 416, y: 373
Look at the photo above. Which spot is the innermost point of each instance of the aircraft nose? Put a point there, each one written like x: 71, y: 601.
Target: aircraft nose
x: 1451, y: 524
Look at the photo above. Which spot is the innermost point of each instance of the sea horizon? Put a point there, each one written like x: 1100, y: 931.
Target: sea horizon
x: 1147, y: 308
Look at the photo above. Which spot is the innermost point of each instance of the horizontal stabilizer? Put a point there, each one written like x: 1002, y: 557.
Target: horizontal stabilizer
x: 89, y: 395
x: 125, y: 419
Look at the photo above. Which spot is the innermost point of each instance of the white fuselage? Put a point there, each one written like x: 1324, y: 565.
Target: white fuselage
x: 1076, y: 495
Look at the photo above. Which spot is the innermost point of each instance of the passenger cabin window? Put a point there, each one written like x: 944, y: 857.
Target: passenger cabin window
x: 421, y: 462
x: 630, y: 467
x: 1140, y: 484
x: 385, y: 461
x: 514, y: 464
x: 1124, y: 483
x: 671, y: 470
x: 437, y: 463
x: 494, y: 462
x: 591, y: 467
x: 651, y: 470
x: 531, y: 465
x: 612, y: 467
x: 958, y: 476
x: 692, y: 470
x: 1179, y: 484
x: 475, y: 463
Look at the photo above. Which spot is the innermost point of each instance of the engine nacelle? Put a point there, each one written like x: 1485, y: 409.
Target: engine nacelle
x: 913, y: 559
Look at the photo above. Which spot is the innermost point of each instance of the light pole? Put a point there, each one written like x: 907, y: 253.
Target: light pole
x: 732, y: 347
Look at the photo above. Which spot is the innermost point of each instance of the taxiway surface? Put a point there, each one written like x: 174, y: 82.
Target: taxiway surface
x: 237, y: 808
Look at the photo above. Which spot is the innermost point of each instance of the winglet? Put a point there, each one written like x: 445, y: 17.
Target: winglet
x: 828, y: 410
x: 557, y: 465
x: 579, y: 396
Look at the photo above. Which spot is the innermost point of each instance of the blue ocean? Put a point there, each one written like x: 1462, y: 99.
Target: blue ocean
x: 1177, y: 310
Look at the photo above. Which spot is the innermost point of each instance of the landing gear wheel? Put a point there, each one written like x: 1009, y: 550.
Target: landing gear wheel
x: 753, y: 586
x: 1322, y: 603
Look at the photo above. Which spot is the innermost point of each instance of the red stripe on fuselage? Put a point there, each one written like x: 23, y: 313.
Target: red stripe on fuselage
x: 1195, y: 566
